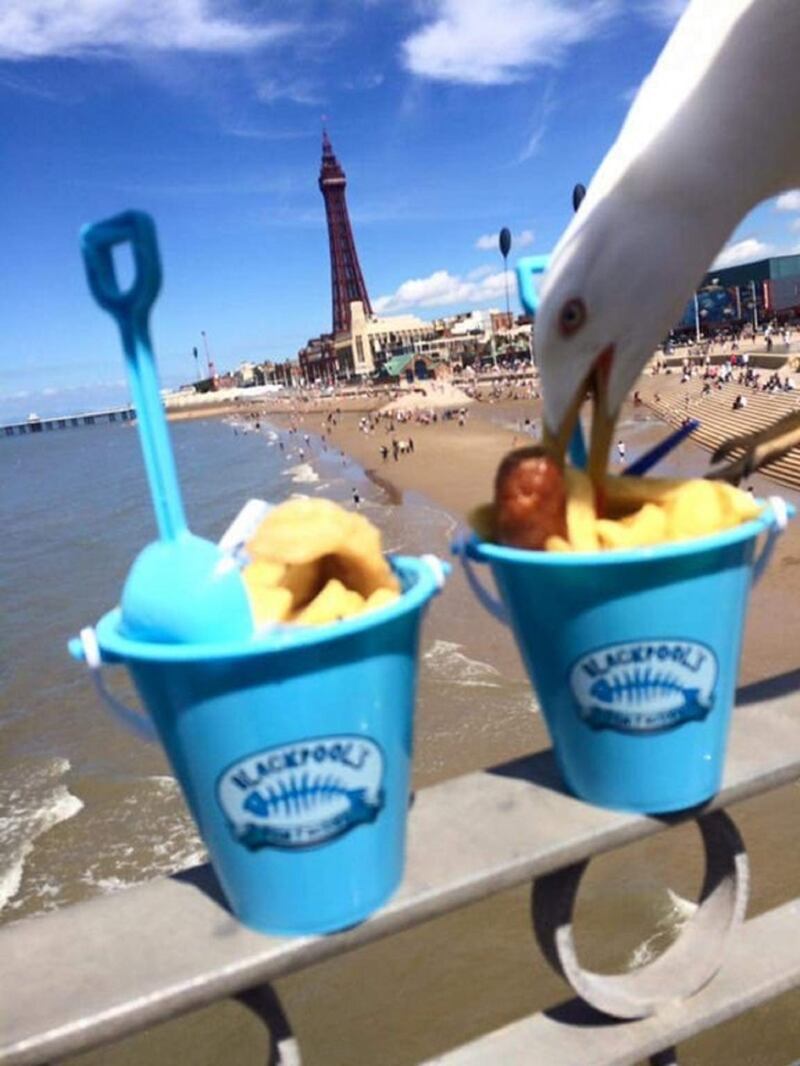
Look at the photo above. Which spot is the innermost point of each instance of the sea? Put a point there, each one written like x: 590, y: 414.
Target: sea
x: 88, y: 809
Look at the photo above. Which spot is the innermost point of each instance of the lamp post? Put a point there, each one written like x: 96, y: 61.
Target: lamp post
x: 696, y: 319
x: 755, y: 304
x: 211, y: 369
x: 505, y: 248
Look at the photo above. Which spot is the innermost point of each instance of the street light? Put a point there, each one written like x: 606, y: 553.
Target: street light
x: 505, y: 248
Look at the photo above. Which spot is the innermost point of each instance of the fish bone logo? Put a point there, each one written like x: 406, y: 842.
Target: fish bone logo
x: 303, y: 794
x: 645, y: 686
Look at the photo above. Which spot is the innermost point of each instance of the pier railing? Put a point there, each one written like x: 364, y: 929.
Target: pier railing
x: 92, y: 973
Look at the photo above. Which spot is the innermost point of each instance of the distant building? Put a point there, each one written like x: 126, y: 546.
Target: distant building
x: 286, y: 373
x: 246, y: 374
x: 750, y: 292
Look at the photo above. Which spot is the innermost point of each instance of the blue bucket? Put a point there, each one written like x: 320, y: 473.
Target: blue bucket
x: 634, y: 656
x: 293, y: 752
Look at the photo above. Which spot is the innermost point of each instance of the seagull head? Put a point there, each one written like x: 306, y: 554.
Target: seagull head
x: 616, y: 283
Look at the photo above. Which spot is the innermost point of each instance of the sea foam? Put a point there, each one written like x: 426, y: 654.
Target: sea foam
x: 35, y: 800
x: 303, y: 474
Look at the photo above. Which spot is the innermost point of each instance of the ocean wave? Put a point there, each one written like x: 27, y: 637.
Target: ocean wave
x: 36, y: 800
x: 445, y: 660
x: 162, y: 841
x: 302, y: 474
x: 676, y: 912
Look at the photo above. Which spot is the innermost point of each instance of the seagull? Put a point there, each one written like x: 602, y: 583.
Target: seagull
x: 711, y: 132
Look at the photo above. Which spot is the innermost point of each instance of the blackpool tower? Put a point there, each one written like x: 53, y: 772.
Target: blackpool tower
x: 347, y: 281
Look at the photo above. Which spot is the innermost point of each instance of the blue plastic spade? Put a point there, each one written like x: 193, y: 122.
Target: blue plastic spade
x: 181, y: 588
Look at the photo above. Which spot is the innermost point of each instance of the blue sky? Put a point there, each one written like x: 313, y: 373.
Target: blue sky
x: 452, y: 118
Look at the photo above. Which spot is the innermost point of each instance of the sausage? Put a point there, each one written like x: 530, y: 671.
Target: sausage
x: 530, y: 499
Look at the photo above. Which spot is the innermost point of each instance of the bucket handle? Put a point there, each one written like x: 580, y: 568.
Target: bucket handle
x: 775, y: 520
x: 464, y: 547
x: 86, y: 647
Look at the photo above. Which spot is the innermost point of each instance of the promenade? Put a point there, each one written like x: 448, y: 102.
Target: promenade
x: 675, y: 400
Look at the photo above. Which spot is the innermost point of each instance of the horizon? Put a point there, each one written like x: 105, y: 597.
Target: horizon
x: 450, y: 122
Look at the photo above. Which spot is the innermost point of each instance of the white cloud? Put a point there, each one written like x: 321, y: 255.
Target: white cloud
x: 489, y: 241
x: 442, y: 289
x: 492, y: 42
x: 743, y: 251
x: 794, y: 225
x: 33, y: 29
x: 299, y: 90
x: 788, y: 201
x: 540, y: 125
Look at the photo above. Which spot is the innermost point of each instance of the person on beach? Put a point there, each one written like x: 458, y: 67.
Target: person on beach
x: 411, y: 445
x: 356, y: 498
x: 621, y: 451
x: 395, y: 450
x: 384, y: 452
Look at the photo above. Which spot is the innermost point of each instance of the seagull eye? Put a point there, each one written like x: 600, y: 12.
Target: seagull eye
x: 572, y: 317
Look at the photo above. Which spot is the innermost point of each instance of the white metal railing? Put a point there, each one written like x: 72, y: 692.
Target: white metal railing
x: 494, y: 830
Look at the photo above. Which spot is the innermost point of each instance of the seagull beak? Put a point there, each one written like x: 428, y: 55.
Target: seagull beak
x: 603, y: 419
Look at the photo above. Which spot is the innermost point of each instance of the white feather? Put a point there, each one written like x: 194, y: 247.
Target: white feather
x: 712, y: 131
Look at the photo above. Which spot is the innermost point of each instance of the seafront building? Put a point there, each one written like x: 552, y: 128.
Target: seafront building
x: 754, y: 293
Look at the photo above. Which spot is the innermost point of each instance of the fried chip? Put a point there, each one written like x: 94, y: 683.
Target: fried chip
x: 313, y: 562
x: 646, y: 527
x: 304, y: 531
x: 333, y: 603
x: 304, y: 580
x: 381, y: 598
x: 641, y: 512
x: 581, y: 514
x: 557, y: 544
x: 269, y: 604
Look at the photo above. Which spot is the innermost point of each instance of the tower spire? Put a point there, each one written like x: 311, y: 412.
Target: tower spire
x: 347, y: 281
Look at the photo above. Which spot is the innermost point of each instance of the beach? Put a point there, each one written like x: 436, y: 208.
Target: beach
x: 417, y: 994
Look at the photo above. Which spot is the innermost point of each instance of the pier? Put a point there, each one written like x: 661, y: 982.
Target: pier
x: 93, y: 973
x: 47, y: 425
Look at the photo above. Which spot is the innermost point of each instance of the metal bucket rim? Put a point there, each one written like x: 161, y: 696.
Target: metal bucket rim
x: 419, y: 581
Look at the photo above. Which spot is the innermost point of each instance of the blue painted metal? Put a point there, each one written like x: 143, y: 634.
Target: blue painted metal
x: 657, y: 452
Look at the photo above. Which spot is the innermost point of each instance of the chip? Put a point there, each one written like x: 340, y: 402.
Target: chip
x: 313, y: 562
x: 640, y: 512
